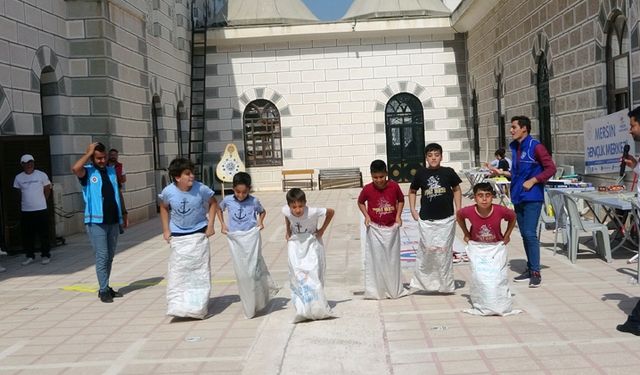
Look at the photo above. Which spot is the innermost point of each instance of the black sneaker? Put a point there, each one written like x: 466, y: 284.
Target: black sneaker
x: 105, y: 297
x: 535, y: 280
x: 114, y: 294
x: 523, y: 277
x: 627, y: 327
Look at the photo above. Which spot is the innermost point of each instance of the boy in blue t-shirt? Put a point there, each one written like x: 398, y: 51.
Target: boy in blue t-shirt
x: 245, y: 218
x: 187, y: 211
x: 244, y: 210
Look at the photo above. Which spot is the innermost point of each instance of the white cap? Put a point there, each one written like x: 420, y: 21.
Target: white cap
x: 26, y: 158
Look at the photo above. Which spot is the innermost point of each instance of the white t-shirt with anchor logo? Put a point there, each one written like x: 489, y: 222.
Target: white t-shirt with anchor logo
x: 308, y: 222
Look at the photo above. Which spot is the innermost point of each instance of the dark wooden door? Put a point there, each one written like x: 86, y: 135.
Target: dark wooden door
x: 404, y: 123
x: 11, y: 148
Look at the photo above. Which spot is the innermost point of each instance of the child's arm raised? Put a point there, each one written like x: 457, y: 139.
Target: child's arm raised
x: 213, y: 210
x: 327, y: 220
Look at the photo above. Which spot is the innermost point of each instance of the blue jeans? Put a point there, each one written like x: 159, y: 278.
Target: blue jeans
x: 527, y: 215
x: 104, y: 238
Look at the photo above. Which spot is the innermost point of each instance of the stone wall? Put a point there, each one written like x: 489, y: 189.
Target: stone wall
x: 332, y: 95
x: 571, y: 33
x: 100, y: 62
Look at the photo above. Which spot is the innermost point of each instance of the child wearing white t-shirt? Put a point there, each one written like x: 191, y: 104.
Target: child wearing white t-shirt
x: 306, y: 256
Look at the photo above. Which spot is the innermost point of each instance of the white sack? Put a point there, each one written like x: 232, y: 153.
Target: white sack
x: 189, y: 277
x: 382, y: 275
x: 490, y: 294
x: 255, y: 285
x: 306, y: 276
x: 434, y: 257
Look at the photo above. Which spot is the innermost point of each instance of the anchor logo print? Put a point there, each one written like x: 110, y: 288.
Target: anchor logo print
x: 240, y: 215
x: 183, y: 209
x: 299, y: 228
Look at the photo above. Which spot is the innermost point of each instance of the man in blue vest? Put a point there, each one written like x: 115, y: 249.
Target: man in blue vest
x: 104, y: 211
x: 532, y: 167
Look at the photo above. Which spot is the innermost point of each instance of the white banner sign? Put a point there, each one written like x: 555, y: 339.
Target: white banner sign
x: 604, y: 141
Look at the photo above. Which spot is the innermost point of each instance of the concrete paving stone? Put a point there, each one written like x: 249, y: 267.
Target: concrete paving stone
x: 500, y: 366
x: 446, y: 342
x: 84, y: 370
x: 48, y: 371
x: 177, y: 368
x: 505, y: 353
x: 405, y: 335
x: 464, y: 367
x: 466, y: 355
x: 416, y: 369
x: 58, y: 358
x: 180, y: 353
x: 565, y: 362
x: 400, y: 346
x: 612, y: 359
x: 577, y: 371
x: 411, y: 357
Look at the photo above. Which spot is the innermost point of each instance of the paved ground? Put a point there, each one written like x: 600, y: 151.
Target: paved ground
x: 51, y: 321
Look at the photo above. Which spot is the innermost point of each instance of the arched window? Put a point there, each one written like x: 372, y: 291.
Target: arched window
x: 49, y: 105
x: 617, y: 59
x: 502, y: 138
x: 181, y: 129
x: 544, y: 106
x: 262, y: 134
x: 476, y: 127
x: 156, y: 109
x: 404, y: 124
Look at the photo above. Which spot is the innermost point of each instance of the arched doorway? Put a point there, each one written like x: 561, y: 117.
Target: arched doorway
x: 404, y: 124
x: 544, y: 105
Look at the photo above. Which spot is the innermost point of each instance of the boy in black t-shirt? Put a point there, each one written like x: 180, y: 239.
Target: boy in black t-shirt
x: 440, y: 190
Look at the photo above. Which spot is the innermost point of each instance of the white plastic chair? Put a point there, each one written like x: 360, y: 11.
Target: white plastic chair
x: 577, y: 225
x: 553, y: 197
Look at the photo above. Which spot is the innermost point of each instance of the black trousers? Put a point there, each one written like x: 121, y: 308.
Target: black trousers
x: 635, y: 315
x: 35, y: 224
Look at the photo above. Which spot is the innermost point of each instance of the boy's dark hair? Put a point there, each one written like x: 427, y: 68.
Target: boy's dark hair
x: 523, y: 121
x: 378, y: 166
x: 114, y: 150
x: 483, y: 186
x: 296, y: 195
x: 242, y: 178
x: 500, y: 152
x: 433, y: 147
x: 179, y: 165
x: 635, y: 113
x: 100, y: 147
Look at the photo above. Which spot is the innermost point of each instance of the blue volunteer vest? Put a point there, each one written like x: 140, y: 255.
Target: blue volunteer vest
x: 524, y: 168
x: 92, y: 193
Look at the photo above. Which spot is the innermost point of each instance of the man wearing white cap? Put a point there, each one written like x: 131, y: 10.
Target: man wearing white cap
x: 34, y: 187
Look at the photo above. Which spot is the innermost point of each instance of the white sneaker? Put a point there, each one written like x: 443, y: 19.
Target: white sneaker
x: 2, y: 269
x: 27, y: 262
x: 46, y: 260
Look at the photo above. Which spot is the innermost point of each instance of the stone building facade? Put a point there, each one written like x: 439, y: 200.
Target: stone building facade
x: 583, y: 47
x: 332, y: 94
x: 88, y: 70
